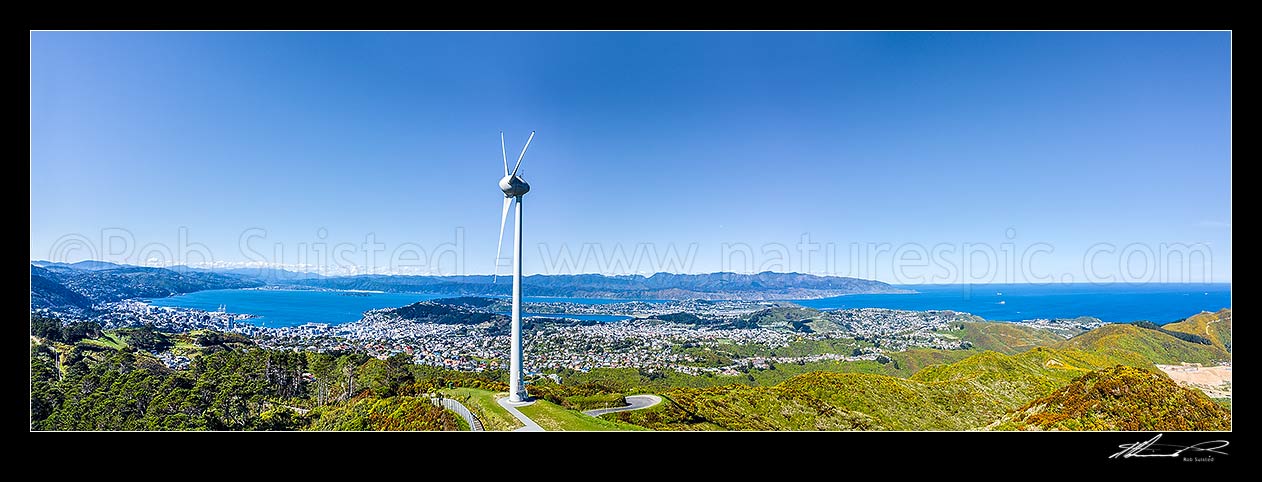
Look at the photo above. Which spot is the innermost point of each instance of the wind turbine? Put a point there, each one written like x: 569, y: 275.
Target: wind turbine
x: 514, y: 188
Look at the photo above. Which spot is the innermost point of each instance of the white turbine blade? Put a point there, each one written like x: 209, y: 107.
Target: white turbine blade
x: 523, y: 152
x: 500, y: 247
x: 504, y: 153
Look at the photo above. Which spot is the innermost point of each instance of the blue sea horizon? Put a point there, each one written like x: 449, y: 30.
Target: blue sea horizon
x: 1158, y: 303
x: 1115, y: 302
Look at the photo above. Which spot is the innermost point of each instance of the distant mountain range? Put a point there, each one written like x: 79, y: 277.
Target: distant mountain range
x: 77, y: 286
x: 66, y: 288
x: 267, y: 275
x: 660, y: 286
x: 260, y: 273
x: 80, y: 266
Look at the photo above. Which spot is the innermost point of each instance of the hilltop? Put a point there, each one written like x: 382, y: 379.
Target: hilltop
x: 72, y: 289
x: 975, y: 392
x: 1120, y: 398
x: 88, y: 265
x: 1005, y: 337
x: 442, y: 313
x: 1216, y: 327
x: 83, y: 378
x: 964, y: 395
x: 1136, y: 346
x: 48, y: 293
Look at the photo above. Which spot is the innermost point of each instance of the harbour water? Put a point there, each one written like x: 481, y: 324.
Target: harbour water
x: 1159, y: 303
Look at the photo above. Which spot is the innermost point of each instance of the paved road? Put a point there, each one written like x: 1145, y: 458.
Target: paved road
x: 636, y: 402
x: 530, y: 425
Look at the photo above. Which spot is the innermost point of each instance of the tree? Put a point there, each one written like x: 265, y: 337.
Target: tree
x: 386, y: 377
x: 77, y: 331
x: 47, y: 328
x: 280, y: 418
x: 346, y: 365
x: 323, y: 368
x: 373, y: 375
x: 146, y: 338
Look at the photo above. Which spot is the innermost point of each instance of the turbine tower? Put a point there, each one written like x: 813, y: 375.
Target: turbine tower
x: 514, y: 188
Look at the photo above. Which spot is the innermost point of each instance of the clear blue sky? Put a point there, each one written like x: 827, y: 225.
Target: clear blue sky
x: 190, y: 142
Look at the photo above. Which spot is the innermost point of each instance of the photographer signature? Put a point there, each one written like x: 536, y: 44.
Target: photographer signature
x: 1151, y: 448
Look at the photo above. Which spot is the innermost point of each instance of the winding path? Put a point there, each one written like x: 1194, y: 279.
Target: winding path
x: 528, y: 424
x: 635, y: 402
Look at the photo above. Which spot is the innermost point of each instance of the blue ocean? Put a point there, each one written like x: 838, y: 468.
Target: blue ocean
x: 277, y: 308
x: 1159, y: 303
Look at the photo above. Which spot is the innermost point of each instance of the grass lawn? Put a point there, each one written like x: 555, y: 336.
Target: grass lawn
x: 182, y: 347
x: 482, y: 404
x: 553, y: 417
x: 108, y: 340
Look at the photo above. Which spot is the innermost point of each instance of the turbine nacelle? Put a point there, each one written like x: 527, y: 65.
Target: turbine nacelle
x: 514, y: 186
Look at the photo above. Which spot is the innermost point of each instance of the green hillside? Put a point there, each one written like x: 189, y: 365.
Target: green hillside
x: 1135, y: 346
x: 968, y: 394
x: 990, y: 369
x: 1214, y: 326
x: 1002, y: 337
x: 1005, y: 337
x: 86, y: 378
x: 1120, y: 398
x: 792, y: 318
x: 391, y: 413
x: 915, y: 359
